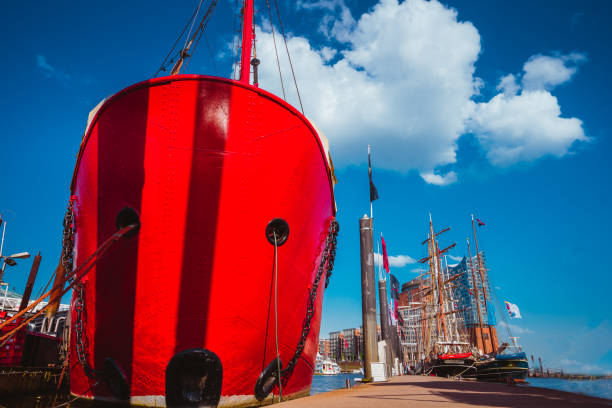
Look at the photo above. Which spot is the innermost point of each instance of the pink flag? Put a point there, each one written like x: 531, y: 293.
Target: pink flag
x: 384, y: 254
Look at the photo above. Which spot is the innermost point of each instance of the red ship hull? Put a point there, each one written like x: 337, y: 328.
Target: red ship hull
x: 205, y: 163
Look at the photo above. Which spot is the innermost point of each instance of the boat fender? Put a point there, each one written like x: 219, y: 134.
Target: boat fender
x: 128, y: 216
x: 267, y: 379
x: 279, y: 227
x: 115, y: 379
x: 193, y: 379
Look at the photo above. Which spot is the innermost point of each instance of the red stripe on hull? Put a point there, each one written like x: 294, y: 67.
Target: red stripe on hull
x: 454, y: 356
x: 206, y: 163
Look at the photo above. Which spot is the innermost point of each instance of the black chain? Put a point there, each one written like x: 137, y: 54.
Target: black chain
x: 68, y: 264
x: 329, y: 253
x: 79, y: 328
x: 68, y: 238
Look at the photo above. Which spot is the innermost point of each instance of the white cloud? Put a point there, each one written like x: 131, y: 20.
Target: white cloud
x: 328, y: 53
x: 439, y: 180
x: 516, y: 329
x: 338, y: 22
x: 507, y: 84
x: 524, y: 127
x: 408, y: 98
x: 578, y: 367
x: 50, y: 71
x: 395, y: 261
x: 545, y: 72
x: 403, y: 81
x: 42, y: 63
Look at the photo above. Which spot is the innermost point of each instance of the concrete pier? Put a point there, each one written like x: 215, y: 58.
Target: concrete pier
x: 419, y: 391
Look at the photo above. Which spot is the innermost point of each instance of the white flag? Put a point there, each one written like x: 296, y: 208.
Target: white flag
x: 391, y: 308
x: 513, y: 310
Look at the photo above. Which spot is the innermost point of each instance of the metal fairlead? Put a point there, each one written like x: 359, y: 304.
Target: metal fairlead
x: 279, y: 228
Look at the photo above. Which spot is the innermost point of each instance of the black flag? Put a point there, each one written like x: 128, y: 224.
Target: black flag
x: 373, y: 191
x: 395, y: 286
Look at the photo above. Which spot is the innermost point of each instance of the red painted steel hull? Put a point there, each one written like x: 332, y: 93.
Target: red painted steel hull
x: 206, y: 163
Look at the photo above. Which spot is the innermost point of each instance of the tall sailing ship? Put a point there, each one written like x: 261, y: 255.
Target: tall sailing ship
x: 446, y: 350
x: 215, y: 294
x: 451, y: 319
x: 496, y: 362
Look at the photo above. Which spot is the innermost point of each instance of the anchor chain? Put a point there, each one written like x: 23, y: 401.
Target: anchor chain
x: 327, y: 258
x: 79, y: 328
x: 68, y: 264
x: 68, y: 238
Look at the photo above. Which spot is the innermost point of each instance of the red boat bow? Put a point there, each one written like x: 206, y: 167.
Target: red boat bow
x: 204, y: 164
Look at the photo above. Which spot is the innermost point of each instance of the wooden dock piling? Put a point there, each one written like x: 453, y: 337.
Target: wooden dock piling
x: 368, y: 296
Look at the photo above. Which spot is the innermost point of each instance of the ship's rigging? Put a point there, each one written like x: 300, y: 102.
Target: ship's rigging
x: 244, y: 66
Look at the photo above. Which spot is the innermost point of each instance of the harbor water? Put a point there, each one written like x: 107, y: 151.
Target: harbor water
x: 324, y: 383
x: 594, y: 388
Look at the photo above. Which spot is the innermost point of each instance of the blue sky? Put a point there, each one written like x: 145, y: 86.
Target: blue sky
x: 426, y: 84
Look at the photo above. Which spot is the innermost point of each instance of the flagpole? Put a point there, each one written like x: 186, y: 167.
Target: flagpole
x: 370, y: 171
x: 379, y: 260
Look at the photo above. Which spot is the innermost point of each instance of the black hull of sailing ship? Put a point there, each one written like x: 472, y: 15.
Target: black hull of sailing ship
x: 449, y: 368
x: 499, y: 370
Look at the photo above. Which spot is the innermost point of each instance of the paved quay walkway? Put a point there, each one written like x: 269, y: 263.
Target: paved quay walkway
x: 419, y: 391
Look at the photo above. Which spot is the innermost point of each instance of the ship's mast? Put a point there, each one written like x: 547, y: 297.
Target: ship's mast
x: 436, y: 269
x: 247, y: 41
x: 480, y: 271
x: 477, y: 295
x: 450, y: 300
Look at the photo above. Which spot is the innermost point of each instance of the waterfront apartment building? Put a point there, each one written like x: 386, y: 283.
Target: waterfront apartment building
x: 475, y: 310
x: 410, y: 308
x: 324, y: 349
x: 347, y: 345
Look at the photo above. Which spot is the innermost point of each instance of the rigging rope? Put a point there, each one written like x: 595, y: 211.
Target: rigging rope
x: 459, y: 375
x: 278, y: 363
x: 210, y: 54
x: 234, y: 36
x: 192, y: 23
x: 183, y: 54
x: 289, y: 56
x: 77, y: 275
x: 163, y: 64
x: 276, y: 50
x: 43, y: 290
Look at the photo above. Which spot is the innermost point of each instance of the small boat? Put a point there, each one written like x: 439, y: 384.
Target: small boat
x: 330, y: 368
x: 326, y: 367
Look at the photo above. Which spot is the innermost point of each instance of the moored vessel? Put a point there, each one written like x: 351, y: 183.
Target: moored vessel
x: 445, y: 346
x: 453, y: 365
x: 214, y: 297
x: 496, y: 363
x: 509, y: 363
